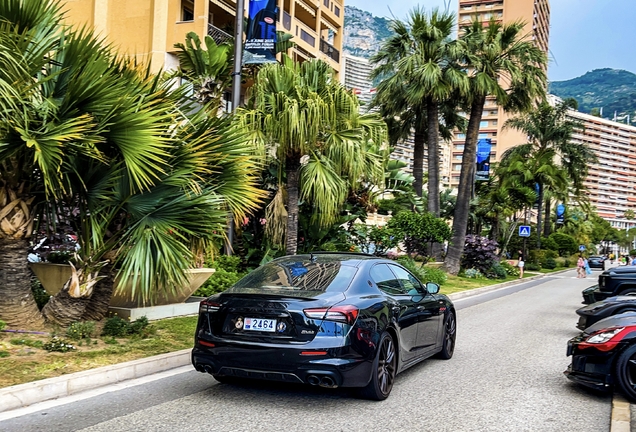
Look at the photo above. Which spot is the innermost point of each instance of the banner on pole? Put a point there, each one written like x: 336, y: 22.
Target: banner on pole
x: 260, y: 41
x: 482, y: 172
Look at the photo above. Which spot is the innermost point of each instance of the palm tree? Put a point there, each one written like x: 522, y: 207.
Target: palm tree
x: 85, y: 128
x: 549, y: 131
x: 309, y: 124
x: 505, y: 64
x: 420, y: 72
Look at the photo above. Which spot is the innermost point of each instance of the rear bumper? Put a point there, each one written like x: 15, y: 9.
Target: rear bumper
x: 340, y: 367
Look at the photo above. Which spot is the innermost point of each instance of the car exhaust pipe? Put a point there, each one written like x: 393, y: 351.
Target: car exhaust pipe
x: 209, y: 369
x: 313, y: 380
x: 328, y: 382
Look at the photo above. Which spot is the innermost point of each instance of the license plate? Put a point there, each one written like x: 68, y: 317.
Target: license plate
x: 259, y: 324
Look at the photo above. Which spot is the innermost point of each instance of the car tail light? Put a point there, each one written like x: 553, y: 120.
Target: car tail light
x: 207, y: 306
x: 346, y: 313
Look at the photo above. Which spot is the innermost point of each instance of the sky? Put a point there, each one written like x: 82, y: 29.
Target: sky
x: 584, y: 34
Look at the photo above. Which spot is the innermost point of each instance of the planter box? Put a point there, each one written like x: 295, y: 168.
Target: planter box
x: 54, y: 276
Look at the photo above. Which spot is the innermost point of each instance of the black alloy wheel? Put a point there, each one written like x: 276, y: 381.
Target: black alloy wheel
x: 450, y: 334
x: 384, y: 370
x: 625, y: 373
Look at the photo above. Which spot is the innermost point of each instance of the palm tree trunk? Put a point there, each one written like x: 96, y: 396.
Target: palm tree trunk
x: 548, y: 219
x: 466, y: 179
x: 418, y: 154
x: 97, y: 307
x: 539, y: 215
x: 63, y: 310
x: 17, y: 305
x: 432, y: 115
x: 293, y: 179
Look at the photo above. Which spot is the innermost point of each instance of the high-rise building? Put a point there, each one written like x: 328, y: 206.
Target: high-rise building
x: 535, y: 14
x: 611, y: 182
x: 356, y: 76
x: 148, y: 29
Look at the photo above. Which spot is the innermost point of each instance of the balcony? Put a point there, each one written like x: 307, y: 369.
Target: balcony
x: 330, y: 50
x: 219, y: 35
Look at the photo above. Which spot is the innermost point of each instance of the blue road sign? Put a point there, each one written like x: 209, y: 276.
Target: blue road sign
x: 524, y: 231
x: 582, y: 248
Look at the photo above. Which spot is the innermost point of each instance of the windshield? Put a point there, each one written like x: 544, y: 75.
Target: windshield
x: 297, y: 276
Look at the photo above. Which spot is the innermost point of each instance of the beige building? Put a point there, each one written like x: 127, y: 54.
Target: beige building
x: 148, y: 29
x: 536, y: 16
x: 611, y: 182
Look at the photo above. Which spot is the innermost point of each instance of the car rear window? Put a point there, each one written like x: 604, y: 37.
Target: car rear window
x: 297, y: 276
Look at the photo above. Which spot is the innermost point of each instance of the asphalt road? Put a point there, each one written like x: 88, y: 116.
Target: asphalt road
x: 506, y: 375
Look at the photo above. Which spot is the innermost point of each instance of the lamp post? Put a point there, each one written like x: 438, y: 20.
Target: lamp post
x: 236, y: 92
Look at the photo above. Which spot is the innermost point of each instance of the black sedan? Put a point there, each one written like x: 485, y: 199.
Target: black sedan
x: 594, y: 312
x: 326, y: 319
x: 596, y: 262
x: 604, y: 355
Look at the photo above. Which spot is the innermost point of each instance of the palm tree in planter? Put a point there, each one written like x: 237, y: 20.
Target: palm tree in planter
x: 91, y: 130
x: 309, y: 125
x: 505, y: 64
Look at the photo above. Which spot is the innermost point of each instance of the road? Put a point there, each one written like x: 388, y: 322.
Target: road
x: 506, y: 375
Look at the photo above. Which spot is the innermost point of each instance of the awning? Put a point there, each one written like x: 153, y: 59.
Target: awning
x: 305, y: 6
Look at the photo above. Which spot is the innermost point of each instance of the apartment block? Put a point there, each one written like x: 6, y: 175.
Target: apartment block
x: 148, y: 29
x: 611, y: 182
x: 356, y: 76
x: 536, y: 16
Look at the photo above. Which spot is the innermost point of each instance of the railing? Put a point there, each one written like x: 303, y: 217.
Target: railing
x: 330, y: 50
x: 219, y: 35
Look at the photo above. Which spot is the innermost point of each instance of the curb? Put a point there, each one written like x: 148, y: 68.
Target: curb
x: 52, y: 388
x: 621, y: 415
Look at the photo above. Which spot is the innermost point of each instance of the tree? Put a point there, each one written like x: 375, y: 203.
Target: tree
x: 421, y: 73
x: 419, y: 231
x: 124, y: 152
x: 549, y: 131
x: 308, y: 124
x: 506, y: 65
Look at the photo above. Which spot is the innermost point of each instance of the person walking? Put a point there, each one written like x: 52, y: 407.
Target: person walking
x: 586, y: 266
x: 521, y: 264
x: 580, y: 267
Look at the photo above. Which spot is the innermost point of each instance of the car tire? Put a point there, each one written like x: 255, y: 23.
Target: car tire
x: 450, y: 334
x: 625, y: 373
x: 384, y: 370
x: 627, y: 291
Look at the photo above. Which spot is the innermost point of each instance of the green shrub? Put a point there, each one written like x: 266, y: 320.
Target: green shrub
x: 497, y: 271
x: 118, y: 327
x: 57, y: 344
x: 81, y: 330
x: 220, y: 280
x: 533, y: 266
x: 3, y: 325
x: 59, y: 257
x: 567, y: 263
x: 115, y: 327
x: 472, y: 273
x: 4, y: 354
x: 40, y: 296
x: 549, y: 263
x: 433, y: 274
x: 509, y: 268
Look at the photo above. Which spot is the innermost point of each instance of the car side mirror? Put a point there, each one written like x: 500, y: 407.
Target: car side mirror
x: 432, y: 287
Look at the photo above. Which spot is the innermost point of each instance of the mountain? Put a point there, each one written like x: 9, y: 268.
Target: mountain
x: 363, y: 32
x: 613, y: 90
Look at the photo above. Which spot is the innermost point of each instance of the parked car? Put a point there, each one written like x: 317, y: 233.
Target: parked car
x: 604, y: 355
x: 612, y: 282
x: 596, y: 262
x: 325, y: 319
x: 595, y: 312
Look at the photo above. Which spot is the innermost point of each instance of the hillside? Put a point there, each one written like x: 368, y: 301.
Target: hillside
x: 363, y: 32
x: 613, y: 90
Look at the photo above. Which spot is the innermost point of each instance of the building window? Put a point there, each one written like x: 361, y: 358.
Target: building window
x: 482, y: 136
x: 326, y: 3
x: 187, y: 11
x: 483, y: 124
x: 336, y: 10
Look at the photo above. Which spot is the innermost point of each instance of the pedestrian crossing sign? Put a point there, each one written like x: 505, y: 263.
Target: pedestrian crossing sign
x: 524, y: 231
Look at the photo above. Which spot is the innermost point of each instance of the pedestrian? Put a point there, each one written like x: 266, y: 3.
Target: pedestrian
x: 521, y: 264
x: 580, y: 267
x: 634, y: 261
x: 586, y: 265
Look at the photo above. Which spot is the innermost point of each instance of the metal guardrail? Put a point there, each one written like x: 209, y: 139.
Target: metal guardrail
x: 219, y: 35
